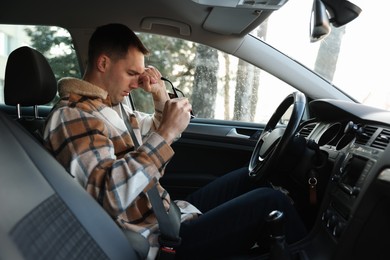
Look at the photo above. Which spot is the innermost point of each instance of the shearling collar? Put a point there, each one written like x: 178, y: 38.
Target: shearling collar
x: 69, y: 85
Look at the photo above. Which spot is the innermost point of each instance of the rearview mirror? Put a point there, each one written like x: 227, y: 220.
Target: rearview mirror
x: 319, y: 22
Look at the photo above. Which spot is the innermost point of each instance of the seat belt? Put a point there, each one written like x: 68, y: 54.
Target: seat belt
x: 168, y: 222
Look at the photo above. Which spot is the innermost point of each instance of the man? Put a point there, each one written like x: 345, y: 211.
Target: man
x: 87, y: 134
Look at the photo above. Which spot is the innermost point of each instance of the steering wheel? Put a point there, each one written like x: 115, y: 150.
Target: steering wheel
x: 273, y: 141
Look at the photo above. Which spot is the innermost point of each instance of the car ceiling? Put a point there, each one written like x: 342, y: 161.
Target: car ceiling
x: 228, y: 17
x: 159, y: 16
x: 207, y: 22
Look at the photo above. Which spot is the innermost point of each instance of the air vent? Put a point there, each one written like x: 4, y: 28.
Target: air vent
x: 382, y: 140
x: 307, y: 129
x: 368, y: 132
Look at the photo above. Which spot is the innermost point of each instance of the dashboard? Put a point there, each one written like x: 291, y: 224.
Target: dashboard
x: 354, y: 216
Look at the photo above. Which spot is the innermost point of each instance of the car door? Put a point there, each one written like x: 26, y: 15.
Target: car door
x: 207, y: 150
x: 231, y: 99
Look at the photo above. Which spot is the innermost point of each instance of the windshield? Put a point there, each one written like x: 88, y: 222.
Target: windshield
x: 355, y: 57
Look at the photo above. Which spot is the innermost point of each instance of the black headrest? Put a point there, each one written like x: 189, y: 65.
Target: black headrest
x: 29, y: 79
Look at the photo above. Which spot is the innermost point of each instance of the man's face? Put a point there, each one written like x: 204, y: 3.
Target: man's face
x: 122, y: 75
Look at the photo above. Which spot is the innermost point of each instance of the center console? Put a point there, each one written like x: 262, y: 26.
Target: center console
x: 347, y: 183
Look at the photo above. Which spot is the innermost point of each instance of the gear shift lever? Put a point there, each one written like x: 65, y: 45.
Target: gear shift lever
x: 278, y: 245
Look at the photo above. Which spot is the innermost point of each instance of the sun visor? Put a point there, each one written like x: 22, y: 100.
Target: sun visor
x: 230, y: 20
x: 236, y: 17
x: 252, y: 4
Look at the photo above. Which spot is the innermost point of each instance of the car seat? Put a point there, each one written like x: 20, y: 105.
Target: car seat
x: 29, y: 81
x: 44, y: 213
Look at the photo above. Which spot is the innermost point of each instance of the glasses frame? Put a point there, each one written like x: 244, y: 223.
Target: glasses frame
x: 175, y: 94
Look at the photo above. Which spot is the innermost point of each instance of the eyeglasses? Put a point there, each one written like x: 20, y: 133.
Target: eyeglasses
x: 175, y: 93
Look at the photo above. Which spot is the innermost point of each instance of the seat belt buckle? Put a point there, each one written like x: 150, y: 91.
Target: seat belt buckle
x: 166, y: 253
x: 168, y: 247
x: 167, y: 250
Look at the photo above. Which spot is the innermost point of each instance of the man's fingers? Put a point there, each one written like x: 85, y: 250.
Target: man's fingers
x: 182, y: 103
x: 153, y: 73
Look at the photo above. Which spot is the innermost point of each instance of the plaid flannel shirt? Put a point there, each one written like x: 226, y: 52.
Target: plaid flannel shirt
x: 89, y: 138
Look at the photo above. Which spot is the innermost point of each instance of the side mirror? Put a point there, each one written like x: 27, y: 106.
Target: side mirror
x: 319, y: 22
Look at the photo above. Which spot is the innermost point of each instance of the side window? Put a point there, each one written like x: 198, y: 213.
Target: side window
x: 219, y: 85
x: 53, y: 42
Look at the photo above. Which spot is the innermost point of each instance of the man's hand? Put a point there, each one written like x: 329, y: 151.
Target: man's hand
x: 151, y: 82
x: 175, y: 118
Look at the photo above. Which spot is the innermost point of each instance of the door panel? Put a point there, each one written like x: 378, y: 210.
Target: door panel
x: 207, y: 150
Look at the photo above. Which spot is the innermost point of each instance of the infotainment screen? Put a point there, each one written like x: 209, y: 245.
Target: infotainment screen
x: 353, y: 170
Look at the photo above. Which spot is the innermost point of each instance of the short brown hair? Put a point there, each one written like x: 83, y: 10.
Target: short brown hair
x: 114, y: 40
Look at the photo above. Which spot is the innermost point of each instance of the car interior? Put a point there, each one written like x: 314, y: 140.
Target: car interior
x: 332, y: 156
x: 30, y: 82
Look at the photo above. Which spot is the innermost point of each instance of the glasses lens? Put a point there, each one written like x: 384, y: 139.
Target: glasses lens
x: 171, y: 95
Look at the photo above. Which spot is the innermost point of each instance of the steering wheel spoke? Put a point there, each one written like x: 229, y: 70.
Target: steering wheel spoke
x: 273, y: 141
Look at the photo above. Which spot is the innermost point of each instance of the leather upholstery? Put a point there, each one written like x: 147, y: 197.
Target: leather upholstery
x: 29, y: 79
x: 29, y: 178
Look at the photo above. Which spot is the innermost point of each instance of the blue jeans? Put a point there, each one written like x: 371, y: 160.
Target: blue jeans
x: 233, y: 220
